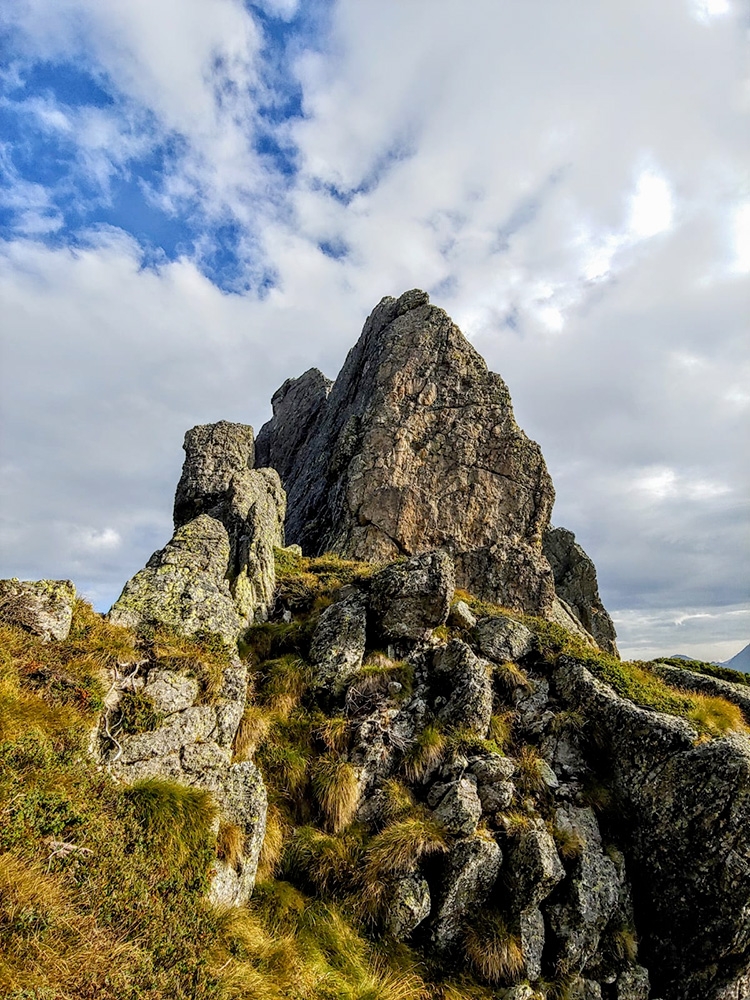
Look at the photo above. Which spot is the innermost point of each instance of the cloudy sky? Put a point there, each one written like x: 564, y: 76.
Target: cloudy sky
x: 201, y: 198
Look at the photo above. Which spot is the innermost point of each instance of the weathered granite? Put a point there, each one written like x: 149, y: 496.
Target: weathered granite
x: 576, y: 584
x: 184, y: 585
x: 414, y: 448
x: 43, y: 607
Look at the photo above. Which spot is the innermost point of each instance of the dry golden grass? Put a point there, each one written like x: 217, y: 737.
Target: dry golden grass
x: 335, y: 733
x: 424, y: 754
x: 277, y: 829
x: 254, y: 726
x: 716, y: 716
x: 493, y: 950
x: 230, y: 843
x: 335, y: 785
x: 55, y: 951
x: 400, y: 847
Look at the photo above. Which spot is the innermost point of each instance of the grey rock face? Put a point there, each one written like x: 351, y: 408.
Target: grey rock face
x: 457, y: 806
x: 214, y: 455
x: 503, y: 639
x: 409, y: 906
x: 338, y: 643
x: 576, y: 584
x: 467, y: 679
x: 534, y: 868
x: 412, y: 597
x: 184, y: 585
x: 218, y: 479
x: 193, y: 745
x: 687, y: 810
x: 43, y: 607
x: 297, y: 407
x: 470, y: 875
x: 416, y: 448
x: 591, y: 894
x: 242, y: 797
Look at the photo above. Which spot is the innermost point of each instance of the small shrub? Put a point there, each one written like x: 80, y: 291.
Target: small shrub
x: 400, y: 847
x: 529, y: 771
x: 568, y: 842
x: 321, y: 862
x: 715, y: 716
x: 175, y: 819
x: 501, y: 729
x: 254, y: 726
x: 282, y: 683
x: 334, y: 733
x: 136, y: 713
x: 277, y: 828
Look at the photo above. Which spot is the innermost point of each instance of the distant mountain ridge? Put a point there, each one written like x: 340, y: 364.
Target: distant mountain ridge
x: 740, y: 661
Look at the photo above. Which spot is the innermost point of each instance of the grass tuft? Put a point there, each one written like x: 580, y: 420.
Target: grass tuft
x: 493, y: 950
x: 335, y: 785
x: 230, y: 844
x: 424, y: 754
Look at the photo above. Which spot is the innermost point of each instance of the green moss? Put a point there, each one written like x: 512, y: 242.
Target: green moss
x: 136, y: 714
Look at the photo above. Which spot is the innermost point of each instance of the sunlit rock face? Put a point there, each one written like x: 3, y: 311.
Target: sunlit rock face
x: 415, y: 447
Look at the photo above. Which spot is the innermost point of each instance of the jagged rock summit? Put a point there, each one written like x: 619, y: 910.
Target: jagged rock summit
x: 415, y: 447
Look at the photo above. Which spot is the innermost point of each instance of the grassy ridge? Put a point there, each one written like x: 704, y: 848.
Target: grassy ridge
x: 103, y: 888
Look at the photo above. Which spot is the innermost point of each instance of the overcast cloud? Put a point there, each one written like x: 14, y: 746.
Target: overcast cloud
x: 201, y: 198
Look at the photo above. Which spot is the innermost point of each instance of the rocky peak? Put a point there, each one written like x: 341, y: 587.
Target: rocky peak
x: 415, y: 447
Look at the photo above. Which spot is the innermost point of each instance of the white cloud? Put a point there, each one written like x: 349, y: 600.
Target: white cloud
x: 517, y: 159
x: 651, y: 208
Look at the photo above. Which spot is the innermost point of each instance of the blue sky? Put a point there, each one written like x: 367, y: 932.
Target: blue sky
x: 201, y: 198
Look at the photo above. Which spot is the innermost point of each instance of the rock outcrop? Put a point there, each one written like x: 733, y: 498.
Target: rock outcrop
x: 576, y: 586
x: 42, y: 607
x: 685, y: 811
x: 184, y: 585
x: 215, y: 576
x: 218, y: 479
x: 415, y: 447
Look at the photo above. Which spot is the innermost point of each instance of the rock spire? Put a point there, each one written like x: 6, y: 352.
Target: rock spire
x: 415, y: 447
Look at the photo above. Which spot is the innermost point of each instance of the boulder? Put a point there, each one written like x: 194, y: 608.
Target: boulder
x: 414, y: 448
x: 503, y: 639
x: 469, y: 876
x: 43, y: 607
x: 576, y: 585
x: 215, y: 455
x: 338, y: 643
x: 408, y: 906
x: 183, y: 585
x: 461, y: 615
x: 533, y: 866
x: 590, y: 896
x: 466, y: 682
x: 457, y: 806
x: 410, y: 598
